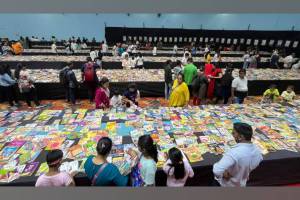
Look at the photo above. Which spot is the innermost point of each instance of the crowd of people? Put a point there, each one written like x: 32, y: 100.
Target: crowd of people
x: 12, y: 86
x: 232, y: 170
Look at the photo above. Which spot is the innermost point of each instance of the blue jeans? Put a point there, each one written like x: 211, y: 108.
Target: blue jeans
x: 72, y: 95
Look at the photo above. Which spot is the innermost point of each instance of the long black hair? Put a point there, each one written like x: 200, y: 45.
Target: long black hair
x: 176, y: 158
x: 147, y: 147
x: 206, y: 54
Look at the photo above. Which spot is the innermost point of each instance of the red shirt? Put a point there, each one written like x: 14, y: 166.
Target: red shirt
x: 102, y: 98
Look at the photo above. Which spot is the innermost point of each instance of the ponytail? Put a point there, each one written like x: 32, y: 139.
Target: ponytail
x: 176, y: 158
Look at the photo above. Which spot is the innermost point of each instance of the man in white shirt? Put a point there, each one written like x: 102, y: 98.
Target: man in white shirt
x: 296, y: 66
x: 288, y: 61
x: 54, y: 48
x: 239, y: 87
x: 175, y: 49
x: 234, y: 168
x: 154, y: 51
x: 104, y: 48
x: 93, y: 54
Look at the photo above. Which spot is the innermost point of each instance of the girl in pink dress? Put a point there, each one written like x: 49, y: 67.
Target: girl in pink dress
x: 102, y: 94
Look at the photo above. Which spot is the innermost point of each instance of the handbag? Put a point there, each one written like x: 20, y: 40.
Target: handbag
x: 98, y: 173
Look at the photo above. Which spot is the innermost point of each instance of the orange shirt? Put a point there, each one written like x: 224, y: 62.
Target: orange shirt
x: 17, y: 48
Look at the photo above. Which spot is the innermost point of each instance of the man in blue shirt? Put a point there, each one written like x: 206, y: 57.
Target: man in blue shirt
x: 235, y: 166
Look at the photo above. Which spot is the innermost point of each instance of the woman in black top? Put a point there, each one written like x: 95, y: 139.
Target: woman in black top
x: 226, y: 84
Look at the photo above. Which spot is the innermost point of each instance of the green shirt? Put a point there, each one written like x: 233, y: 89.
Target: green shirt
x: 189, y: 72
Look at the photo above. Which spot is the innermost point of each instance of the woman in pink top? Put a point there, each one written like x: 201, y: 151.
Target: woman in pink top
x: 102, y: 94
x: 177, y: 168
x: 53, y: 177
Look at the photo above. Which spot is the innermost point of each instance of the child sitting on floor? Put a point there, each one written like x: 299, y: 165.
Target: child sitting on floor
x: 288, y: 95
x: 116, y: 100
x: 271, y: 94
x: 54, y: 177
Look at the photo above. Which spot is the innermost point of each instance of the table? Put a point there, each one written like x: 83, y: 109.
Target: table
x: 279, y: 167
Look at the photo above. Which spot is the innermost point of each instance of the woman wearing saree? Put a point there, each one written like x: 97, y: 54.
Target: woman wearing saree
x: 180, y: 95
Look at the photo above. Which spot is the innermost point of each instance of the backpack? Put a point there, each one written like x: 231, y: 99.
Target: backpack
x: 136, y: 177
x: 63, y: 76
x: 89, y: 72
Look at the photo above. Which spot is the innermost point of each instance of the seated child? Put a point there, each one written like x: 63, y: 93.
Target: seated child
x: 271, y: 94
x: 54, y: 177
x: 289, y: 94
x: 116, y: 100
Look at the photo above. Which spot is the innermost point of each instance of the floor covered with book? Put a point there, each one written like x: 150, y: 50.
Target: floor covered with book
x: 203, y: 133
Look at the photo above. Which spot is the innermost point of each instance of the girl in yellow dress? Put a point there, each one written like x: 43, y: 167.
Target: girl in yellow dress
x: 180, y: 95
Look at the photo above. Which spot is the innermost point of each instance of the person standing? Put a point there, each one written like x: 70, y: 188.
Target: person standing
x: 207, y: 57
x: 215, y: 85
x: 93, y: 54
x: 288, y: 61
x: 140, y: 61
x: 72, y: 84
x: 180, y: 95
x: 185, y: 57
x: 54, y: 48
x: 27, y: 88
x: 103, y: 94
x: 147, y: 160
x: 17, y: 48
x: 126, y: 63
x: 54, y: 177
x: 14, y: 88
x: 154, y: 51
x: 63, y: 80
x: 226, y: 82
x: 177, y: 168
x: 168, y: 79
x: 199, y: 86
x: 239, y: 87
x: 6, y: 83
x: 252, y: 61
x: 175, y: 49
x: 234, y: 168
x: 246, y: 60
x: 89, y: 77
x: 274, y: 63
x: 104, y: 48
x: 189, y: 72
x: 177, y: 69
x: 99, y: 171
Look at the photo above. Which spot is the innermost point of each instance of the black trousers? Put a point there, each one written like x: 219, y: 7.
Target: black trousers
x: 7, y: 94
x: 91, y: 87
x: 31, y: 95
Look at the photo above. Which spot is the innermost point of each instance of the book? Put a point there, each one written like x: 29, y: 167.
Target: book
x: 30, y: 168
